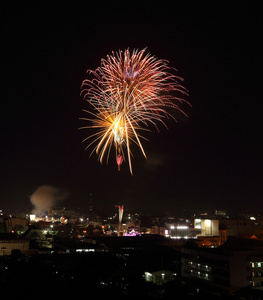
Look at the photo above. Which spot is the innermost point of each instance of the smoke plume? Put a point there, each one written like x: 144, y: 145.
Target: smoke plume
x: 44, y: 198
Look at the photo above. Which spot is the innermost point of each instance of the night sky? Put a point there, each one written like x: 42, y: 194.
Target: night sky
x: 211, y: 159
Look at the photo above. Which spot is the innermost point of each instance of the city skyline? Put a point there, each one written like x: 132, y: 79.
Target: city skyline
x: 210, y: 159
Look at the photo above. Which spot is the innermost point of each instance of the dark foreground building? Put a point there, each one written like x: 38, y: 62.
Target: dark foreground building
x: 229, y: 269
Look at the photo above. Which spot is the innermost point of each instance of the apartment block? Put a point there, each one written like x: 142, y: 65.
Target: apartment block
x: 238, y: 263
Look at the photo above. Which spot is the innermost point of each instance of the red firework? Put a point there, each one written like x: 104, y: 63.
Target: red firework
x: 129, y: 91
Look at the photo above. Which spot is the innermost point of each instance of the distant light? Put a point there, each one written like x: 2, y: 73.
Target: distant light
x: 252, y: 218
x: 182, y: 227
x: 32, y: 217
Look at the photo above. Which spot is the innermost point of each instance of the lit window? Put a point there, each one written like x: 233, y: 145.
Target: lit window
x: 208, y: 223
x: 197, y: 224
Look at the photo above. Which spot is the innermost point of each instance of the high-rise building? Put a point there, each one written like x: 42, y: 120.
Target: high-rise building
x: 236, y: 264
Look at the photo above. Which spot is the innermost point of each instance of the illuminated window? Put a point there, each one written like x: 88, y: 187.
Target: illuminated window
x: 198, y: 223
x: 208, y: 222
x: 208, y: 226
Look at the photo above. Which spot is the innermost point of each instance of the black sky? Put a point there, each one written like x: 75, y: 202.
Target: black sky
x: 212, y: 159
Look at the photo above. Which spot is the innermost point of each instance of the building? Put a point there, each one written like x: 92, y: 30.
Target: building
x: 177, y: 230
x: 207, y: 227
x: 243, y: 226
x: 16, y: 224
x: 73, y: 246
x: 209, y: 232
x: 237, y: 264
x: 9, y: 243
x: 39, y: 238
x: 160, y: 277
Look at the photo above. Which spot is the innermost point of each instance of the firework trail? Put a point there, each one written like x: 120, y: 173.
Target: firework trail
x: 128, y: 92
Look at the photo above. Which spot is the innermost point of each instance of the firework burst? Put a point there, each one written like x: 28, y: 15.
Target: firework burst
x: 128, y: 92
